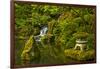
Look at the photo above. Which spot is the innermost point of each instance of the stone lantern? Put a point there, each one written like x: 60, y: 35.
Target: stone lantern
x: 82, y: 44
x: 81, y: 40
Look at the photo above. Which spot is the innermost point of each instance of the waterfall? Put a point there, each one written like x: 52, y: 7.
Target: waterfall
x: 43, y: 32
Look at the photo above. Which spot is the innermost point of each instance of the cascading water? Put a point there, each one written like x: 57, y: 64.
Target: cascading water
x: 43, y: 32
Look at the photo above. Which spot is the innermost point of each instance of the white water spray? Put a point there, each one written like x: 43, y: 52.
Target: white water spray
x: 43, y: 32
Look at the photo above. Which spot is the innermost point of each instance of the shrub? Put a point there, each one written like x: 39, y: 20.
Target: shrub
x: 70, y: 43
x: 91, y: 41
x: 81, y: 35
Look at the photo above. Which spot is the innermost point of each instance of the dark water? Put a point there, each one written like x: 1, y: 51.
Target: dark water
x: 19, y: 45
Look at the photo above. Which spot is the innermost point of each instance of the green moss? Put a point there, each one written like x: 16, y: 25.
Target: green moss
x: 80, y: 55
x: 25, y: 53
x: 81, y: 35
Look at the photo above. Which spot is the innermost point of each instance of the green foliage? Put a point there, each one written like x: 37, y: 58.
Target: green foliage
x: 91, y: 41
x: 81, y: 35
x: 65, y: 24
x: 38, y: 19
x: 36, y: 31
x: 71, y: 43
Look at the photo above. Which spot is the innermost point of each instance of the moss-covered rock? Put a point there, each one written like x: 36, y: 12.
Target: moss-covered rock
x: 25, y: 53
x: 80, y: 55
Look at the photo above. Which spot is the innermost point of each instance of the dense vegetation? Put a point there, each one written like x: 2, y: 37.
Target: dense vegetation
x: 56, y: 47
